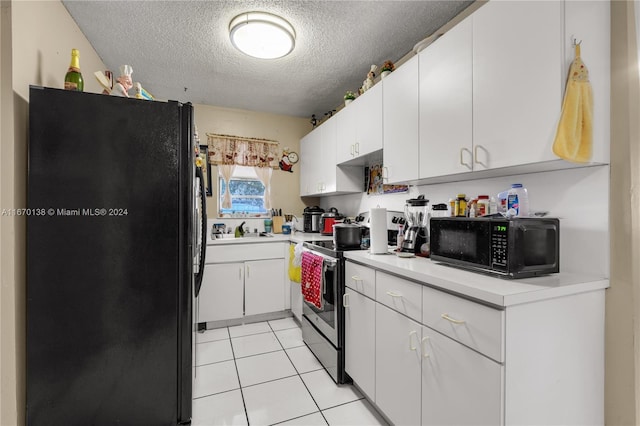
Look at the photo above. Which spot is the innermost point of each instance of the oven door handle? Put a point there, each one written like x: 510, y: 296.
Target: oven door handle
x: 328, y: 265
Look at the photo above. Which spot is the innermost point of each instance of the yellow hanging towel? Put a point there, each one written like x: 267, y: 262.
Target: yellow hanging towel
x: 295, y: 271
x: 574, y: 137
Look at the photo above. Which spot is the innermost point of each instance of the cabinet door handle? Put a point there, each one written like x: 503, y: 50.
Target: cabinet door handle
x: 475, y: 155
x: 240, y: 273
x: 424, y: 347
x: 357, y: 148
x: 345, y: 300
x: 448, y: 318
x: 394, y: 294
x: 385, y: 173
x: 353, y: 150
x: 356, y: 278
x: 248, y: 271
x: 411, y: 345
x: 462, y: 163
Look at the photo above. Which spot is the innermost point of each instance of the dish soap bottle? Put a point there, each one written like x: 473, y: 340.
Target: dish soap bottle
x: 73, y: 79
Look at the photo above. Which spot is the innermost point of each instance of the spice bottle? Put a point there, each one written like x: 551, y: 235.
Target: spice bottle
x: 460, y: 206
x: 472, y: 208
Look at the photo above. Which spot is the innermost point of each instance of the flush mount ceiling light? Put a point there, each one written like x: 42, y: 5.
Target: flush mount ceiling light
x: 262, y: 35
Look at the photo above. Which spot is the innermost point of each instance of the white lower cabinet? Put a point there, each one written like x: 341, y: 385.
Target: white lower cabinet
x: 360, y: 317
x: 459, y: 385
x: 263, y: 288
x: 539, y: 362
x: 235, y: 285
x: 398, y: 359
x: 222, y: 292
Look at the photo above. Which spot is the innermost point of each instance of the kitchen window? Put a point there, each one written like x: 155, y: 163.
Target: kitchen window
x: 247, y: 193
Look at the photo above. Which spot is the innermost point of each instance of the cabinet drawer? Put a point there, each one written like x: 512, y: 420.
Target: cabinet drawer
x: 361, y: 279
x: 241, y: 252
x: 398, y: 294
x: 472, y: 324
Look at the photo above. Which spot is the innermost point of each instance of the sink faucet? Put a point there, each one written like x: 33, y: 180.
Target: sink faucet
x: 240, y: 230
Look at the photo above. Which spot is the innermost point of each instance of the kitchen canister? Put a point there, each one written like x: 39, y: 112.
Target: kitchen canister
x: 378, y: 231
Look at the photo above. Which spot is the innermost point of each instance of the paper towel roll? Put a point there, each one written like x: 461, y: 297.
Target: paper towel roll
x: 378, y: 230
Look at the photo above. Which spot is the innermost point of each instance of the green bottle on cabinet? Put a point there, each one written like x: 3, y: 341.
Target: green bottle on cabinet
x: 73, y: 80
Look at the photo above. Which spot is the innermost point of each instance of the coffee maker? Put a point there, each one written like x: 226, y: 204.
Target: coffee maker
x: 416, y: 234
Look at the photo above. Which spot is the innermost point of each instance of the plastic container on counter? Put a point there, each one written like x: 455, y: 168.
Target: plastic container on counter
x: 518, y: 200
x: 502, y: 201
x: 482, y: 206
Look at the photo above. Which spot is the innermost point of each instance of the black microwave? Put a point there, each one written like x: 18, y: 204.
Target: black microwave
x: 510, y: 248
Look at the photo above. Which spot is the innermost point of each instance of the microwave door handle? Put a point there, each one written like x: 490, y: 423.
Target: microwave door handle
x: 542, y: 226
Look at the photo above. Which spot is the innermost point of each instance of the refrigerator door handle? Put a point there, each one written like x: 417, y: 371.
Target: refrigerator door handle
x: 203, y: 235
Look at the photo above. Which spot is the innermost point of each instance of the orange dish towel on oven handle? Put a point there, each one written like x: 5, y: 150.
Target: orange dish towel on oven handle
x: 311, y: 284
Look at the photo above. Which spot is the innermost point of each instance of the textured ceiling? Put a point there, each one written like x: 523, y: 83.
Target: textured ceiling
x: 180, y: 50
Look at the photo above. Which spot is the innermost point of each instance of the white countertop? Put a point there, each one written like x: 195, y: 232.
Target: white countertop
x: 295, y: 237
x: 493, y: 290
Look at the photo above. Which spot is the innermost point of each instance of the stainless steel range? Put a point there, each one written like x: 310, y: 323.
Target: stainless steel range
x: 323, y: 329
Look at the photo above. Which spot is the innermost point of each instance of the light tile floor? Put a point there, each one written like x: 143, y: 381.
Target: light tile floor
x: 263, y: 374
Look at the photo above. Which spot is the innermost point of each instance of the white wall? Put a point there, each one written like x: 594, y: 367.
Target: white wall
x: 579, y: 197
x: 37, y: 38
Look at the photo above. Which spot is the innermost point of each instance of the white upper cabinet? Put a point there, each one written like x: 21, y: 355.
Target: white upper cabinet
x: 369, y: 119
x: 346, y: 138
x: 309, y: 165
x: 517, y: 82
x: 319, y: 174
x: 446, y: 125
x: 400, y: 123
x: 327, y: 160
x: 483, y: 100
x: 360, y: 126
x: 589, y: 22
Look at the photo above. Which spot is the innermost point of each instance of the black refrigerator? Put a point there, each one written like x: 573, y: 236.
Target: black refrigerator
x: 114, y: 259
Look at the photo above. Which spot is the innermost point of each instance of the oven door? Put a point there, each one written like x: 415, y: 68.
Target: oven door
x: 326, y: 319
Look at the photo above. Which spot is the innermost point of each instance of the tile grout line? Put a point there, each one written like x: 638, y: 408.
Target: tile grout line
x: 269, y: 381
x: 303, y: 382
x: 235, y: 364
x: 298, y: 373
x: 244, y: 404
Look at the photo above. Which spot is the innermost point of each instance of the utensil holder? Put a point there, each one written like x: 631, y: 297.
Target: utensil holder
x: 278, y: 221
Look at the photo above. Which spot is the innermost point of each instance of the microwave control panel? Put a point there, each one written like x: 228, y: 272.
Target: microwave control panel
x: 499, y: 238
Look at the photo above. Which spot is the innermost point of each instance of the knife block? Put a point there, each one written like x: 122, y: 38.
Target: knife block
x: 278, y: 221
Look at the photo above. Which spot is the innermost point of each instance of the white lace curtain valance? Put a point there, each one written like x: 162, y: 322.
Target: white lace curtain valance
x: 237, y: 150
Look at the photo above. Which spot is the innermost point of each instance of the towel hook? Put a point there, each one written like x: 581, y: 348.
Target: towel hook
x: 576, y: 42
